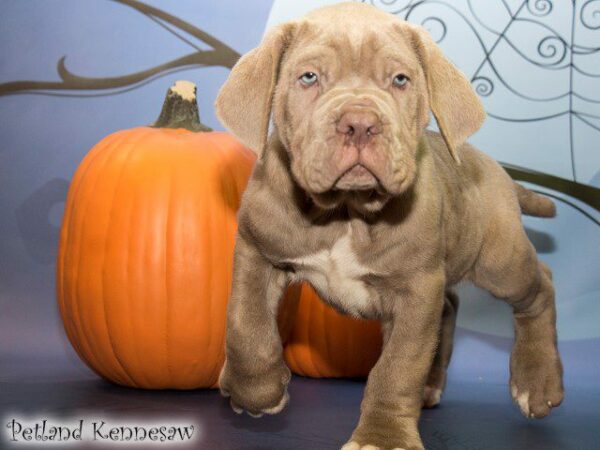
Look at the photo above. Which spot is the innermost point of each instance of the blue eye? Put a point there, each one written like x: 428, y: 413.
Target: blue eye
x: 308, y: 78
x: 400, y: 80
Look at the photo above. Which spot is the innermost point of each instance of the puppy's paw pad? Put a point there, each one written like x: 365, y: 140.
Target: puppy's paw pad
x: 536, y: 403
x: 279, y: 407
x: 431, y: 396
x: 522, y: 400
x: 236, y: 409
x: 269, y: 411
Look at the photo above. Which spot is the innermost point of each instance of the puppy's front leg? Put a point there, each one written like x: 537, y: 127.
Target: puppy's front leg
x: 254, y: 375
x: 393, y: 396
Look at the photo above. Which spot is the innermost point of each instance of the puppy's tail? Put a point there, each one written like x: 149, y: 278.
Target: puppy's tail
x: 533, y: 204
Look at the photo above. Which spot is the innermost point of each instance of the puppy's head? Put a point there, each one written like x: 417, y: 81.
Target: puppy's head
x: 349, y: 89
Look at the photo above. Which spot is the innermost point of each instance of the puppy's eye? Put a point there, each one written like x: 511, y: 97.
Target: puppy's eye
x: 400, y: 80
x: 308, y: 78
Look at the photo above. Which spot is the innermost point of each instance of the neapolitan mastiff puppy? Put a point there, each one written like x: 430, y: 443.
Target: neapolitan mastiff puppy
x: 351, y: 194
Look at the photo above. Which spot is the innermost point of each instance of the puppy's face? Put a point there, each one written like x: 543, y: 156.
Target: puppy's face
x: 350, y: 105
x: 349, y: 89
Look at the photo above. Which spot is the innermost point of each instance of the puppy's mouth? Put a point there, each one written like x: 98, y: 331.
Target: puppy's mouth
x: 358, y: 188
x: 357, y: 178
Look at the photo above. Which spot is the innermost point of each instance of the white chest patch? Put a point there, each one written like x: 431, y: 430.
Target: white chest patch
x: 337, y: 274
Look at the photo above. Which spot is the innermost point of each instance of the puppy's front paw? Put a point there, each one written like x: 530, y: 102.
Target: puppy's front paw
x: 256, y: 393
x: 385, y: 432
x: 536, y: 380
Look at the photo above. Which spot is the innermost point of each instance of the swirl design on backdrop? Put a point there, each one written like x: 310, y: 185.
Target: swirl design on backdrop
x: 566, y: 57
x: 590, y: 14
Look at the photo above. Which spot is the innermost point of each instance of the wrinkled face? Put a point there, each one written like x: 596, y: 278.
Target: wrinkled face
x: 350, y: 106
x: 349, y: 89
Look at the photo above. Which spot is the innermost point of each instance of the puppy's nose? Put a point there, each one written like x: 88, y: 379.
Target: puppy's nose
x: 359, y: 126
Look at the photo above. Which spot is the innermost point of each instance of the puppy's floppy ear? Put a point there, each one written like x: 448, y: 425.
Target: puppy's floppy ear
x: 244, y: 101
x: 455, y: 105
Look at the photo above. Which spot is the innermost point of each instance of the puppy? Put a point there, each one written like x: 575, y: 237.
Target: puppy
x: 352, y: 195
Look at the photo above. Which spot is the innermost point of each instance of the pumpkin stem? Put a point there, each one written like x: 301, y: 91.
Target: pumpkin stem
x: 180, y: 109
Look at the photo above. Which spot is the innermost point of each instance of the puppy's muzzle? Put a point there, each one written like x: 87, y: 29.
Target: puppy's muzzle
x: 358, y: 126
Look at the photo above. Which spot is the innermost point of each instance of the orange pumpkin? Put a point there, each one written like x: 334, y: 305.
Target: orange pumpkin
x: 145, y: 258
x: 326, y: 344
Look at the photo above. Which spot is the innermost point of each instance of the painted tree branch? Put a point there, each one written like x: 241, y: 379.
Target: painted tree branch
x: 220, y: 55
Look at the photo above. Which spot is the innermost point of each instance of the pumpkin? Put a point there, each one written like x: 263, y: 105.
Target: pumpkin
x: 326, y: 344
x: 146, y: 248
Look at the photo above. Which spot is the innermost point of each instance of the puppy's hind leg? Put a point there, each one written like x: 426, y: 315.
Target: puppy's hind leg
x: 508, y: 267
x: 436, y: 381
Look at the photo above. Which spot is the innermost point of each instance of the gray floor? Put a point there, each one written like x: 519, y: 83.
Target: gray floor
x: 321, y: 415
